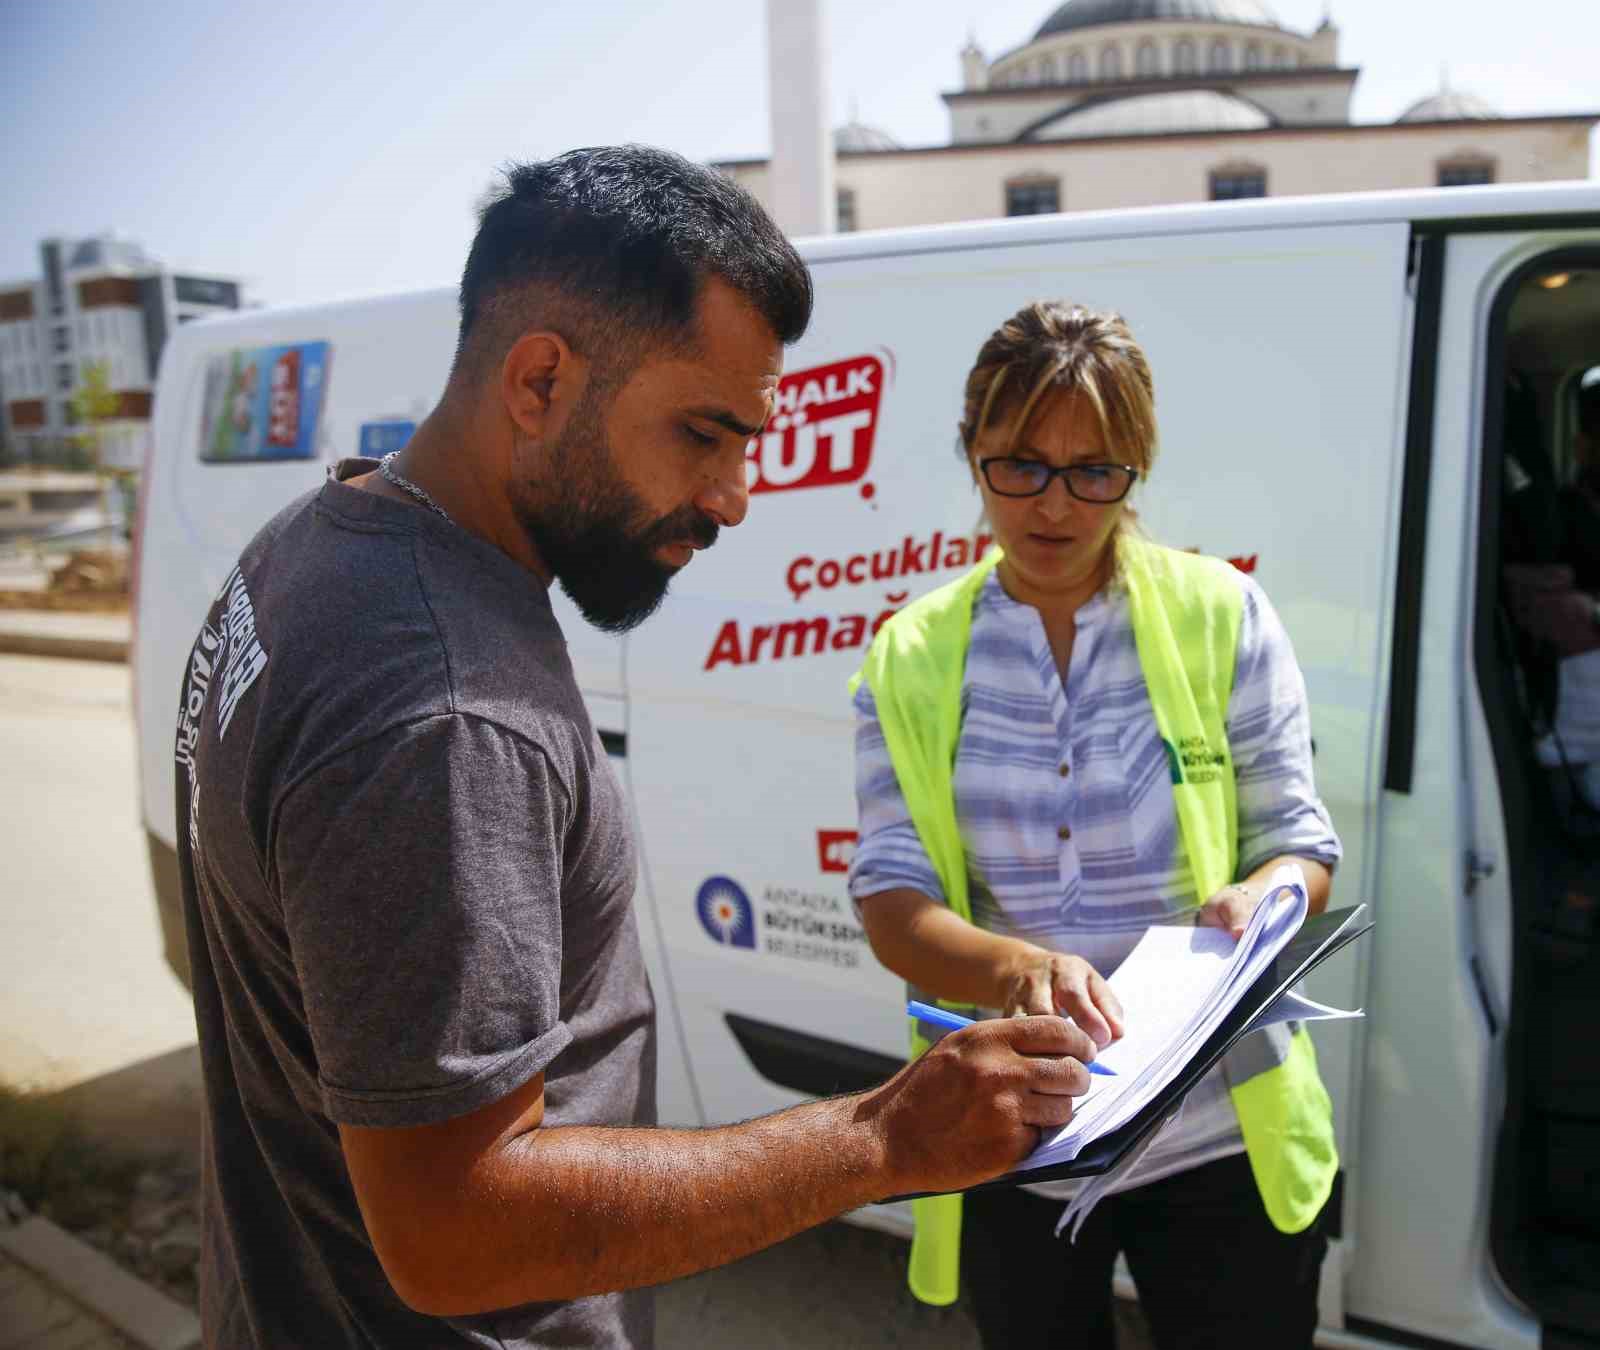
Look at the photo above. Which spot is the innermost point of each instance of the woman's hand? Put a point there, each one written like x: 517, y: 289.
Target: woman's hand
x: 1040, y: 981
x: 1231, y: 907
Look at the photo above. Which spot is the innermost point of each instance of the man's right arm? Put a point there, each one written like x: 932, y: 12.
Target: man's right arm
x: 491, y: 1210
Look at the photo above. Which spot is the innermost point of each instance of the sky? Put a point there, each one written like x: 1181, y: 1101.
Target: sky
x: 335, y: 148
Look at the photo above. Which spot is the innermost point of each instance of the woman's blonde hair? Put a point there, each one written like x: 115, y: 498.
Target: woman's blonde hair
x: 1050, y: 347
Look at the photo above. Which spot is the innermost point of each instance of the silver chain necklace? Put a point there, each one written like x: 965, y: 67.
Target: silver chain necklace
x: 393, y: 475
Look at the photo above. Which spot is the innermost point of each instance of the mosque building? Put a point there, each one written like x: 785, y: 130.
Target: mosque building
x: 1117, y: 103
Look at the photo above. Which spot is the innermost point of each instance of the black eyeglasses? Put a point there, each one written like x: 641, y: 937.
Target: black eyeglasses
x: 1101, y: 484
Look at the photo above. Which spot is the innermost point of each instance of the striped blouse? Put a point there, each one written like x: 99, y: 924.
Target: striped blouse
x: 1065, y: 807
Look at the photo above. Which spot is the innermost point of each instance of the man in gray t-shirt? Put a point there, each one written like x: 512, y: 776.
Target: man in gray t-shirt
x: 423, y: 902
x: 425, y: 1027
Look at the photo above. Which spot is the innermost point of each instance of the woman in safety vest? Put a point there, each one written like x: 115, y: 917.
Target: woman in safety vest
x: 1084, y: 736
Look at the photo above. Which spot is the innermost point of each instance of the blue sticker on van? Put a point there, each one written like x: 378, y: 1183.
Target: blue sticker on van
x: 378, y: 439
x: 725, y: 912
x: 264, y: 403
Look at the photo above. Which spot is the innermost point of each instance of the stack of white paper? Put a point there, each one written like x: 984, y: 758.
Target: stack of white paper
x: 1176, y: 987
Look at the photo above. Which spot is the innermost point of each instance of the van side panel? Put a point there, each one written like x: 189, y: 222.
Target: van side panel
x: 1275, y: 354
x: 387, y: 362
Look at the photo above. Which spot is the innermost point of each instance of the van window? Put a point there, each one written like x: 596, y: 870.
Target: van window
x: 1538, y: 663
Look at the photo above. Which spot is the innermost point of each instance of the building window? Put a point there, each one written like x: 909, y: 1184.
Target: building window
x: 1183, y: 57
x: 1252, y: 56
x: 63, y: 377
x: 1148, y: 62
x: 1047, y: 70
x: 1280, y: 58
x: 1465, y: 172
x: 845, y: 211
x: 60, y: 339
x: 1111, y: 63
x: 1238, y: 180
x: 206, y: 291
x: 1077, y: 67
x: 1221, y: 55
x: 1033, y: 197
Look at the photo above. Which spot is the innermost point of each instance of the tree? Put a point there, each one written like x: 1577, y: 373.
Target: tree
x: 93, y: 404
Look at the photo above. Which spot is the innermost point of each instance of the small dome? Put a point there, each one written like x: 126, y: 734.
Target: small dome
x: 1077, y: 14
x: 1449, y: 105
x: 855, y: 138
x: 1154, y: 115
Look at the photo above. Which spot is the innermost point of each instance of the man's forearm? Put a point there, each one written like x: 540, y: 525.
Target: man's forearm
x: 561, y: 1213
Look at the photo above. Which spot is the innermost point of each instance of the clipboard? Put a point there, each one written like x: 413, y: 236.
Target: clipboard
x: 1319, y: 938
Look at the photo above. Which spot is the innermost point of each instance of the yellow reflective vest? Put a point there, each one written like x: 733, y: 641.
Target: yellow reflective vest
x: 1185, y: 613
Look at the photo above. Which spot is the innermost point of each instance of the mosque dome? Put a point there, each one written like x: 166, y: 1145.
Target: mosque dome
x: 1154, y: 115
x: 1448, y: 105
x: 855, y: 138
x: 1077, y: 14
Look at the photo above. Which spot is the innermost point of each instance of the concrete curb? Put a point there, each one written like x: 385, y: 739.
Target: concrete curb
x: 71, y: 648
x: 144, y: 1315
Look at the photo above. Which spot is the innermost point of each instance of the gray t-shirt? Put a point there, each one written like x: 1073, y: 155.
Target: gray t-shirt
x: 408, y: 880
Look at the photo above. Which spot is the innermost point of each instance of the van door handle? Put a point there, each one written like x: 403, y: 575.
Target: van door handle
x: 1480, y: 867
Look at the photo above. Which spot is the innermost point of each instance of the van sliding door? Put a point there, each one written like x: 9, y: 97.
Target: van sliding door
x: 1536, y: 655
x: 1477, y: 1195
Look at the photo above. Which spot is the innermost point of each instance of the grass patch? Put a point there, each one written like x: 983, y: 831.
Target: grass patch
x: 45, y: 1160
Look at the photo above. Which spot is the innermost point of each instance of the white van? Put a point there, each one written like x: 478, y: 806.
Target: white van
x: 1339, y: 382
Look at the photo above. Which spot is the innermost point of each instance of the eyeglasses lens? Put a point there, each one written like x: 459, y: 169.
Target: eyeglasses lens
x: 1088, y: 482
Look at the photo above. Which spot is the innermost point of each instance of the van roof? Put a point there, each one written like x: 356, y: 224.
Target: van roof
x: 1473, y: 208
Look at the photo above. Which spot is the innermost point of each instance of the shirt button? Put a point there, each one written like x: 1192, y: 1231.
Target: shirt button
x: 1065, y: 832
x: 1065, y: 770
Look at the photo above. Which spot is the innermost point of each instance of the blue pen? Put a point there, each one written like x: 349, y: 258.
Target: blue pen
x: 940, y: 1017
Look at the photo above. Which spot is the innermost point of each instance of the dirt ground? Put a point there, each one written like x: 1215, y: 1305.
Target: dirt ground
x: 66, y: 602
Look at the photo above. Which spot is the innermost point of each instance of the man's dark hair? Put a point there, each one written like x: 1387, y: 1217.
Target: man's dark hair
x: 610, y: 246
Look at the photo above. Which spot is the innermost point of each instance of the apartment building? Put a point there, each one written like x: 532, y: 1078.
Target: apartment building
x: 97, y: 301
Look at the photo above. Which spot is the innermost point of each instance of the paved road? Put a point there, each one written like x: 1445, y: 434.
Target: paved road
x: 88, y: 1006
x: 83, y: 990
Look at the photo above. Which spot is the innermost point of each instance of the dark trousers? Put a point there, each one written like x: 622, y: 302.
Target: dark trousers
x: 1212, y: 1271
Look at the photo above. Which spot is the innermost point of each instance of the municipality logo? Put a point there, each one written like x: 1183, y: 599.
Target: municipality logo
x: 725, y: 912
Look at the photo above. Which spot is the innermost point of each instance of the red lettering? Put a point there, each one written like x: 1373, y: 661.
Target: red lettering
x: 726, y: 647
x: 823, y: 427
x: 796, y: 584
x: 851, y: 631
x: 799, y: 630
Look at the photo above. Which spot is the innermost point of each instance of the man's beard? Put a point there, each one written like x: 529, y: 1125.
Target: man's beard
x: 596, y: 534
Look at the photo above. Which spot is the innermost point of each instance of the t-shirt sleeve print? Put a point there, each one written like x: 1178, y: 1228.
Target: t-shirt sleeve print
x: 228, y: 654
